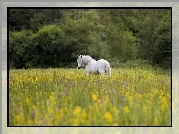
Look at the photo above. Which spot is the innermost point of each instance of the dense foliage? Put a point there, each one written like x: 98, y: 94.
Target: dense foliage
x: 53, y: 37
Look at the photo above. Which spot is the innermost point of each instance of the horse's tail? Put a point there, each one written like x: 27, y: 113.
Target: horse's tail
x: 108, y: 69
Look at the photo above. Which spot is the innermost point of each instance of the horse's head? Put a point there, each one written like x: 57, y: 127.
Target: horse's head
x: 83, y: 60
x: 80, y: 61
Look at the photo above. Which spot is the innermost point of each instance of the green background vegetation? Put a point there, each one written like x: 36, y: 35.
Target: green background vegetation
x: 53, y: 37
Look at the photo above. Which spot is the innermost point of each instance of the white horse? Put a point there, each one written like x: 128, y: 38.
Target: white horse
x: 92, y: 66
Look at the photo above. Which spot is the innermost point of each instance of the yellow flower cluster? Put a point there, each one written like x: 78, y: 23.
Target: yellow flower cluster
x: 64, y: 97
x: 108, y: 117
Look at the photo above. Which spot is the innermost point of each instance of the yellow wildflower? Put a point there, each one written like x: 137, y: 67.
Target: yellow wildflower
x: 27, y: 100
x: 164, y: 103
x: 51, y: 97
x: 99, y: 101
x: 84, y: 115
x: 77, y: 111
x: 18, y: 118
x: 115, y: 111
x: 51, y: 111
x: 34, y: 107
x: 94, y: 97
x: 108, y: 117
x: 126, y: 109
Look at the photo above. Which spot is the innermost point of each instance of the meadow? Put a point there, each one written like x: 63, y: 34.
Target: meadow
x: 67, y: 97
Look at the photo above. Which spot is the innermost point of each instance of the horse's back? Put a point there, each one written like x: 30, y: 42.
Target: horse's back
x: 102, y: 62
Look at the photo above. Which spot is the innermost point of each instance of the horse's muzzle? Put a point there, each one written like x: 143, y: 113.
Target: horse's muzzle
x: 79, y: 67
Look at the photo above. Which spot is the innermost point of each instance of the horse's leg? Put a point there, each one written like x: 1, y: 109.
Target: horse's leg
x: 103, y: 71
x: 87, y: 70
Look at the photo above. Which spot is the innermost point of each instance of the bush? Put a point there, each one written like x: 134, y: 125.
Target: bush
x: 19, y: 48
x: 131, y: 64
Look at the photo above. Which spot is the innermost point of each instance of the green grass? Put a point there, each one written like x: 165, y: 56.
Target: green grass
x: 66, y: 97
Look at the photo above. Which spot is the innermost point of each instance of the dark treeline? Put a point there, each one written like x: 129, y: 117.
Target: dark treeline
x: 53, y: 37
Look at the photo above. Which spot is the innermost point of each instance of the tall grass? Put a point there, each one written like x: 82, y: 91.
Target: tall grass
x: 67, y: 97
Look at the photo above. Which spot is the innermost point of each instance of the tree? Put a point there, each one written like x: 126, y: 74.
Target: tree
x: 84, y: 32
x: 120, y: 40
x: 162, y: 45
x: 49, y: 46
x: 19, y: 48
x: 19, y: 19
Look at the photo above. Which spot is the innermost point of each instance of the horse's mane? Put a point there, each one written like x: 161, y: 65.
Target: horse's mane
x: 87, y: 58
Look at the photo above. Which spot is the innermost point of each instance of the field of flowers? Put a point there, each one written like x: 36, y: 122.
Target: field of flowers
x: 67, y: 97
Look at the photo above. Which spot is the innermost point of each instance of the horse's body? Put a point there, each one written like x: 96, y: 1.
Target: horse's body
x: 92, y: 66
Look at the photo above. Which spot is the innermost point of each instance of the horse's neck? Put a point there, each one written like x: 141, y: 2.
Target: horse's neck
x: 87, y: 60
